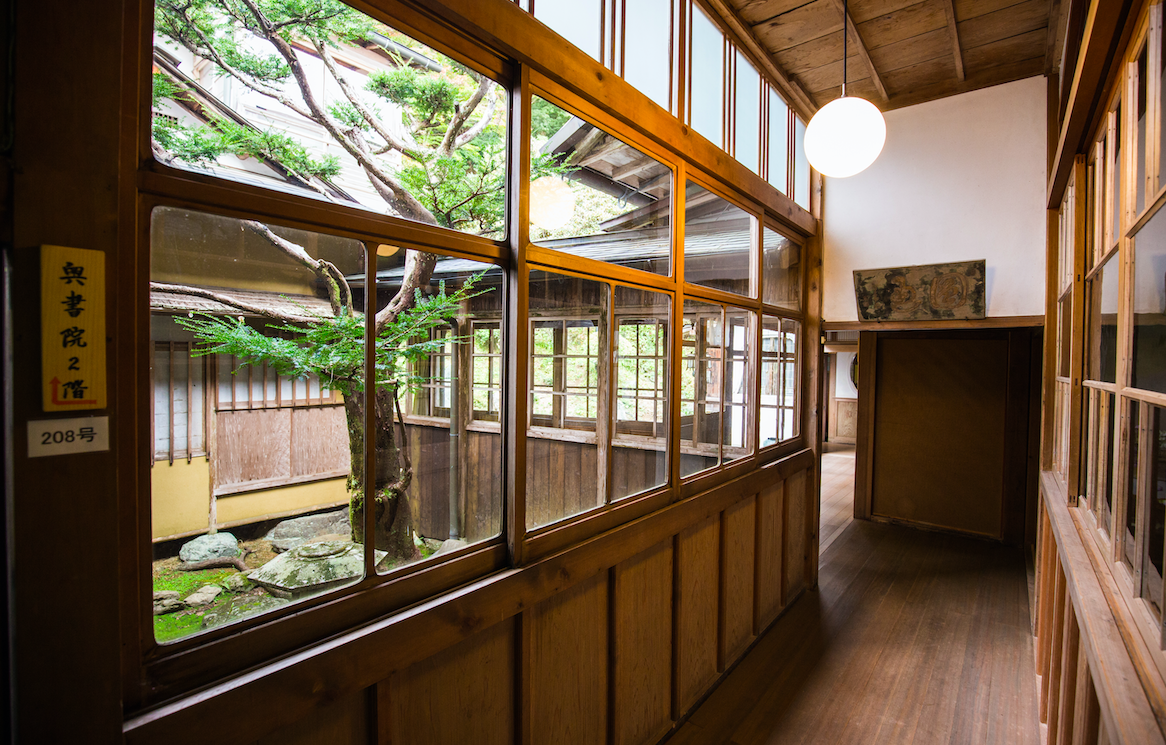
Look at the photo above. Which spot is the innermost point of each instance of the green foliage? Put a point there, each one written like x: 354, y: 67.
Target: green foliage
x: 425, y: 97
x: 545, y: 118
x: 332, y: 347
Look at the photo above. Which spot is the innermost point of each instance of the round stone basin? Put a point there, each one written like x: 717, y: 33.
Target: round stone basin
x: 313, y: 567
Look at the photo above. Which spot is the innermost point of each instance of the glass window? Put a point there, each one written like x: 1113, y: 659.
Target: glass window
x: 1133, y: 450
x: 1140, y: 165
x: 778, y: 173
x: 747, y: 114
x: 781, y: 271
x: 377, y: 120
x: 1101, y: 322
x: 568, y: 371
x: 595, y: 196
x: 487, y: 356
x: 578, y: 21
x: 701, y: 382
x: 1148, y: 370
x: 738, y: 385
x: 706, y: 75
x: 778, y: 407
x: 717, y: 239
x: 801, y: 177
x: 647, y: 62
x: 640, y: 450
x: 1152, y: 567
x: 231, y: 299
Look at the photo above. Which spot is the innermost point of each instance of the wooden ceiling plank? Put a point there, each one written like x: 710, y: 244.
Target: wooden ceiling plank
x: 1017, y: 19
x: 799, y: 26
x: 894, y: 27
x: 968, y: 9
x: 793, y: 93
x: 863, y: 11
x: 954, y: 31
x: 811, y: 55
x: 975, y: 80
x: 829, y: 78
x: 908, y: 52
x: 754, y: 12
x: 1021, y: 46
x: 856, y: 39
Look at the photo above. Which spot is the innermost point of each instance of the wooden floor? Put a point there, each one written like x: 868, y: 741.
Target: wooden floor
x: 837, y: 493
x: 913, y: 637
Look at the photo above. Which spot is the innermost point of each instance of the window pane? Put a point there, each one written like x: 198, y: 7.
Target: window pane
x: 640, y: 448
x: 747, y: 138
x: 569, y: 339
x: 1133, y: 446
x: 1149, y: 349
x: 593, y: 195
x: 738, y: 386
x: 1152, y: 568
x: 778, y: 142
x: 801, y: 179
x: 438, y: 359
x: 717, y: 238
x: 577, y: 21
x: 1140, y: 165
x: 647, y: 59
x: 363, y: 126
x: 1101, y: 324
x: 701, y: 379
x: 273, y: 411
x: 1115, y: 174
x: 779, y: 380
x: 781, y: 281
x: 706, y: 71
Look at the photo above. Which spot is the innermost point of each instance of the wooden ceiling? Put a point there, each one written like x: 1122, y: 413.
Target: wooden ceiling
x: 901, y: 52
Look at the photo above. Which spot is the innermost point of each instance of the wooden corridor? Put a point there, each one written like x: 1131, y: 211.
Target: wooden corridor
x: 837, y: 509
x: 913, y: 637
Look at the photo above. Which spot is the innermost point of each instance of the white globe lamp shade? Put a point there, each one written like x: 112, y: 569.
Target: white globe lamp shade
x: 845, y: 137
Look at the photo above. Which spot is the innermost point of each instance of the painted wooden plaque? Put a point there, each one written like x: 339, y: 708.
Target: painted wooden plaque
x: 914, y: 293
x: 72, y: 328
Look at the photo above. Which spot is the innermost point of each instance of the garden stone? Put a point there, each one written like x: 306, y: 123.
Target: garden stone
x: 297, y: 531
x: 235, y: 583
x: 313, y: 567
x: 452, y: 544
x: 210, y: 546
x: 239, y: 609
x: 167, y: 601
x: 204, y: 595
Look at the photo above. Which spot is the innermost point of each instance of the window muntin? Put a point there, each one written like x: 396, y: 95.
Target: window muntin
x: 595, y: 196
x: 487, y: 384
x: 376, y: 120
x: 718, y: 240
x: 179, y: 402
x: 642, y: 371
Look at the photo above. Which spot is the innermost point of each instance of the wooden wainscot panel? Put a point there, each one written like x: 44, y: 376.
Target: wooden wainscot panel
x: 770, y: 511
x: 642, y: 646
x: 738, y: 528
x: 796, y: 545
x: 464, y: 694
x: 344, y: 722
x: 697, y: 601
x: 568, y: 665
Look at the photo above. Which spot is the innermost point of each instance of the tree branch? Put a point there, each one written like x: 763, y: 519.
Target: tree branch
x: 339, y: 293
x: 461, y: 115
x: 260, y: 310
x: 418, y: 270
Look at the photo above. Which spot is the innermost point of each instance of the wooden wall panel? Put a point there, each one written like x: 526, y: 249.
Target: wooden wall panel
x: 642, y: 646
x: 568, y: 665
x: 796, y: 542
x: 345, y: 722
x: 252, y: 446
x: 464, y: 694
x: 697, y: 602
x: 738, y: 529
x: 319, y: 440
x: 770, y: 511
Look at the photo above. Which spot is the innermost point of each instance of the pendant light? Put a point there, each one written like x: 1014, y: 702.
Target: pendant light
x: 847, y: 134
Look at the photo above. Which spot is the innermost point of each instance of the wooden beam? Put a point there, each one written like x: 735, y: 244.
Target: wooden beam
x: 856, y: 40
x: 796, y: 96
x: 1058, y: 12
x: 1104, y: 29
x: 949, y: 11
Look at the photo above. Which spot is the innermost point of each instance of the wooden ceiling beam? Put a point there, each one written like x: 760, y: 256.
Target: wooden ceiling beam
x: 953, y: 28
x: 796, y: 96
x: 856, y: 39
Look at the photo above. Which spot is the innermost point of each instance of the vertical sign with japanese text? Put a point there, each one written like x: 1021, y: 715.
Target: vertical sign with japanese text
x: 72, y: 328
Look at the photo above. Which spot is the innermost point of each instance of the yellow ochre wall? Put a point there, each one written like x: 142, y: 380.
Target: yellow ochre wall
x: 181, y: 502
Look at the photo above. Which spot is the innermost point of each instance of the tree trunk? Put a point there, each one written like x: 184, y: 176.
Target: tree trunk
x: 392, y: 513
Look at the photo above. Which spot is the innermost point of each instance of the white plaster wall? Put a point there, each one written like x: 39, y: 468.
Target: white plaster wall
x: 959, y: 179
x: 843, y: 385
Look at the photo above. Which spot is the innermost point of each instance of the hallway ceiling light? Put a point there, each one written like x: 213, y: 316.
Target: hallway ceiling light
x: 847, y: 134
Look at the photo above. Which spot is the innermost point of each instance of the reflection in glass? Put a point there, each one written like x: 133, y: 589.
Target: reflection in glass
x: 781, y: 278
x: 717, y: 239
x: 778, y: 173
x: 406, y: 132
x: 706, y: 71
x: 701, y: 378
x: 1133, y: 450
x: 640, y: 449
x: 1148, y: 370
x: 236, y: 327
x: 569, y: 342
x: 778, y: 409
x: 1152, y: 568
x: 747, y: 117
x: 595, y: 196
x: 738, y: 387
x: 1101, y: 323
x: 438, y: 480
